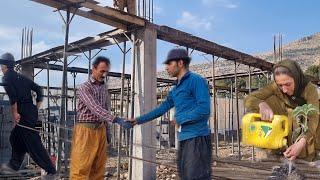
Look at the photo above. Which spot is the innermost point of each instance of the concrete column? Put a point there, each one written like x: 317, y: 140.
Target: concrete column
x: 27, y: 70
x: 145, y: 100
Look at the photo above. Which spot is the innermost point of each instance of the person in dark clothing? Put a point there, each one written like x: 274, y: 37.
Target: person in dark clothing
x: 24, y: 112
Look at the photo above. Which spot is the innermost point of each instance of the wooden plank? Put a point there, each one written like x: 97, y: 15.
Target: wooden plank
x: 89, y: 43
x: 114, y: 14
x: 89, y: 15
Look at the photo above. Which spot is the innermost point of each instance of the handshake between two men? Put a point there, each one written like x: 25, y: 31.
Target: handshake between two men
x: 125, y: 123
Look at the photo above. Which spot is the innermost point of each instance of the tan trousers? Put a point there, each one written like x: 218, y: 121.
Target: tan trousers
x: 89, y: 153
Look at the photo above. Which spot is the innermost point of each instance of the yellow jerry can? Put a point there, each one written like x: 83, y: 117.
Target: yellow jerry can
x: 262, y: 134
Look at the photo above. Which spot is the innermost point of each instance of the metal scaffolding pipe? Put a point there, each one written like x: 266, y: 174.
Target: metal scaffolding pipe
x: 214, y: 108
x: 64, y: 104
x: 133, y: 77
x: 48, y: 105
x: 31, y: 39
x: 249, y: 83
x: 27, y: 43
x: 121, y: 107
x: 225, y: 119
x: 232, y: 135
x: 74, y: 75
x: 113, y: 125
x: 237, y: 108
x: 127, y: 116
x: 22, y: 43
x: 161, y: 119
x: 89, y: 66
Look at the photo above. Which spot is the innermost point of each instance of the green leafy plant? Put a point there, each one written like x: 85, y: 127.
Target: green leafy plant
x: 301, y: 113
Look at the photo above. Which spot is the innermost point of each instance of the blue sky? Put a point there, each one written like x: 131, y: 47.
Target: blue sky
x: 245, y: 25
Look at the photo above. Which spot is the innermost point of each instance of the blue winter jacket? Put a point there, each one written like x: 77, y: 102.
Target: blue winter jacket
x: 191, y: 99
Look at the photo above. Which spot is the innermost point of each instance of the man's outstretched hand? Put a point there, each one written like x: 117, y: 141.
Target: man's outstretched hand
x: 132, y: 121
x: 123, y: 122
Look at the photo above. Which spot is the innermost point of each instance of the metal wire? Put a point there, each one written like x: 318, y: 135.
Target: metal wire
x: 43, y: 132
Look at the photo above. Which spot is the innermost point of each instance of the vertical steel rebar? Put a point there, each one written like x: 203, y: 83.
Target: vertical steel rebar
x: 225, y: 118
x: 121, y: 107
x: 48, y: 107
x: 113, y: 125
x: 249, y: 82
x: 31, y: 40
x: 127, y: 116
x: 232, y: 135
x: 229, y: 116
x: 214, y: 107
x: 27, y: 44
x: 152, y: 7
x: 22, y: 44
x: 143, y: 12
x: 149, y: 12
x: 161, y: 119
x: 74, y: 75
x: 279, y: 50
x: 89, y: 64
x: 237, y: 108
x: 64, y: 106
x: 133, y: 76
x: 139, y: 14
x: 274, y: 49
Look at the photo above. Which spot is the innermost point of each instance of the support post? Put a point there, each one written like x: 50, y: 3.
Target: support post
x: 214, y: 115
x: 121, y: 108
x: 64, y: 100
x: 145, y: 100
x: 237, y: 107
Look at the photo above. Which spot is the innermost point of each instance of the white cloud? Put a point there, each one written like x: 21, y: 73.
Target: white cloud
x: 193, y: 22
x: 220, y: 3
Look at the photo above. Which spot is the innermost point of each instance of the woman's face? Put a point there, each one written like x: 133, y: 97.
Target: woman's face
x: 285, y: 83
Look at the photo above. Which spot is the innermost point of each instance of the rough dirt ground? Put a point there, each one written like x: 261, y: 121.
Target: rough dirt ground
x: 166, y: 163
x: 168, y: 156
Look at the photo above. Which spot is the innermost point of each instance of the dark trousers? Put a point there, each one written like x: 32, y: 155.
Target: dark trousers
x: 27, y: 141
x: 194, y: 158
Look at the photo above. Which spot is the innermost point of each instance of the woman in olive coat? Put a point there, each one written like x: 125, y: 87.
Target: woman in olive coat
x: 290, y: 89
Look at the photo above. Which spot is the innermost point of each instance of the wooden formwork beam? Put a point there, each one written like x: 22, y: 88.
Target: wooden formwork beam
x: 105, y: 15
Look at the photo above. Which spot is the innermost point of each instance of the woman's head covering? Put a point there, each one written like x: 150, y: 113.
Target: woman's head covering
x: 300, y: 80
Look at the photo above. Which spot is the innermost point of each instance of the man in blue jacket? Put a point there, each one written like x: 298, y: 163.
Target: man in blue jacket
x: 191, y: 99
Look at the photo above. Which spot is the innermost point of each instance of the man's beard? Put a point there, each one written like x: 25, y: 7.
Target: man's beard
x: 174, y: 73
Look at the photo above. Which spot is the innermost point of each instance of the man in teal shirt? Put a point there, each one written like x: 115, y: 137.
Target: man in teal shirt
x: 191, y: 99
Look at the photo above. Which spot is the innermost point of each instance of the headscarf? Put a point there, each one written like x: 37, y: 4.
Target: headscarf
x: 300, y: 80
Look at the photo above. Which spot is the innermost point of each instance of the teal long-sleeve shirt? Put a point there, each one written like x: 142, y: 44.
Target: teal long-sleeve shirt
x: 191, y: 99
